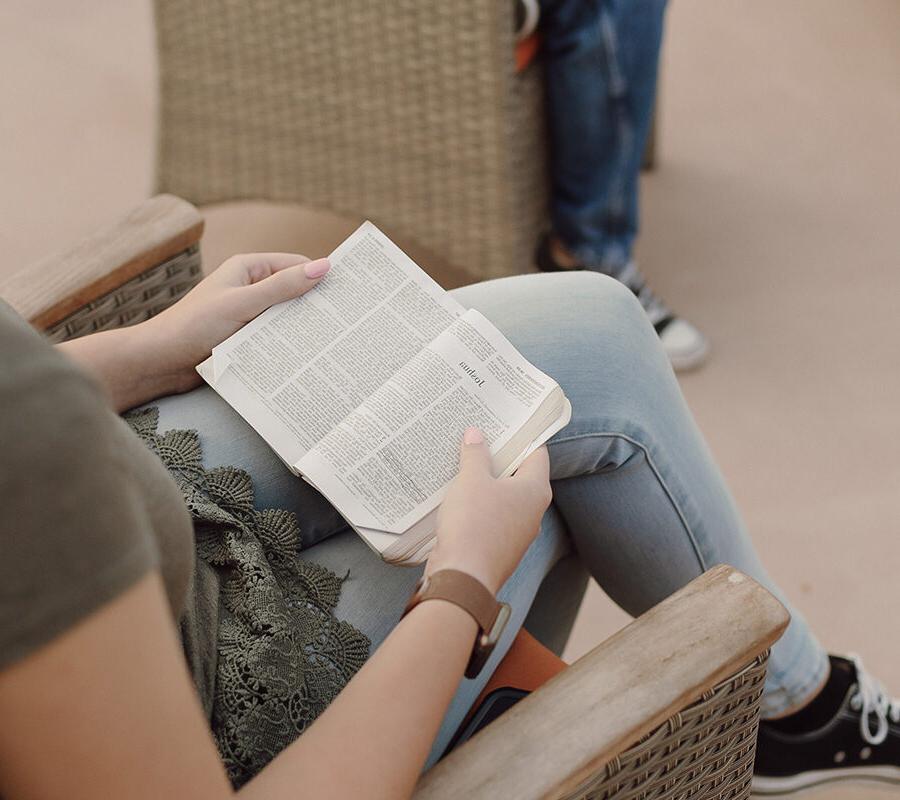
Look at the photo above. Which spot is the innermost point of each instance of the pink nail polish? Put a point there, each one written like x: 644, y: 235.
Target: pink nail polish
x: 317, y: 268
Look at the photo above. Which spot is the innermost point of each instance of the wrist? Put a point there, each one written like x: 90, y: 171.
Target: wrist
x: 475, y: 599
x: 155, y: 346
x: 447, y: 612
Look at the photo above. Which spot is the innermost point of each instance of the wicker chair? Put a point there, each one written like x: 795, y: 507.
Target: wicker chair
x: 666, y: 708
x: 408, y: 113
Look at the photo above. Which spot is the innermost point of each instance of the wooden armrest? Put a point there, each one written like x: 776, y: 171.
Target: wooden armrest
x: 626, y: 687
x: 49, y: 291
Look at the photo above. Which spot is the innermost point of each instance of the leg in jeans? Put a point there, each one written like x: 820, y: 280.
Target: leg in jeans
x: 601, y: 59
x: 635, y: 488
x: 634, y: 481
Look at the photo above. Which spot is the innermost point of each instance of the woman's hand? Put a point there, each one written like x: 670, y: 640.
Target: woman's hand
x: 485, y: 524
x: 240, y: 289
x: 157, y: 357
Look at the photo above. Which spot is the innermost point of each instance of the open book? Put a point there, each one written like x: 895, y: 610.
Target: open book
x: 364, y: 386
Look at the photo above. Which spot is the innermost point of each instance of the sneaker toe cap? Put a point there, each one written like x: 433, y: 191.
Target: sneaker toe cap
x: 686, y: 347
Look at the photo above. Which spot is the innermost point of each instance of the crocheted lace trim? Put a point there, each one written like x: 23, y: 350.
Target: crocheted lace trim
x: 282, y: 654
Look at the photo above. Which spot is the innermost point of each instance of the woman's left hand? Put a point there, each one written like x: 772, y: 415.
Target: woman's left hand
x: 142, y: 362
x: 240, y: 289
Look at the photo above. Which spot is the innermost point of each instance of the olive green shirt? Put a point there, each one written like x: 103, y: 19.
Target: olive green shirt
x: 85, y: 508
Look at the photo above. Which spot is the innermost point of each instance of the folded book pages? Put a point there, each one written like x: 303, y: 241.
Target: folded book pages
x: 364, y: 386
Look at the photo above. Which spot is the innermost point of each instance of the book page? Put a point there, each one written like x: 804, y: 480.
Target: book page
x: 388, y: 463
x: 300, y: 367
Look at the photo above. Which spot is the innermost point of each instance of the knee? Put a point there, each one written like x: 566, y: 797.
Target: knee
x: 596, y: 284
x: 566, y: 316
x: 601, y: 301
x: 603, y: 319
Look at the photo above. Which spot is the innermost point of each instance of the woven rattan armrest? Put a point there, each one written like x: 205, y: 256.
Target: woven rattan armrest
x: 564, y: 735
x: 117, y: 276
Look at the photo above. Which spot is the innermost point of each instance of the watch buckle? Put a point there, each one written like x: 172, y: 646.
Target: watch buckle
x: 487, y: 642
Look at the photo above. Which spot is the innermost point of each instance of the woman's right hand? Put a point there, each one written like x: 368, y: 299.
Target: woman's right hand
x: 485, y: 524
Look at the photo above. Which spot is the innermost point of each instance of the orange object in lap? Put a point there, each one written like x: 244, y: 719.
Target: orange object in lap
x: 527, y: 665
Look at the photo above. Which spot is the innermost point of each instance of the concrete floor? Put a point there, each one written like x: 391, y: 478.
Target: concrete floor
x: 773, y: 222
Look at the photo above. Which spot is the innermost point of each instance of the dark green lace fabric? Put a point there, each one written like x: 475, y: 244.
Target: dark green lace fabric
x: 280, y: 655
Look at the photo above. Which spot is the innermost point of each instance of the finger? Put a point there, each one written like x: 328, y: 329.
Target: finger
x: 276, y: 265
x: 535, y: 468
x: 474, y: 455
x: 255, y: 267
x: 286, y: 283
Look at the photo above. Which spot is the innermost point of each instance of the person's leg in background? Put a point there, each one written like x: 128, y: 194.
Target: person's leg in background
x: 601, y: 61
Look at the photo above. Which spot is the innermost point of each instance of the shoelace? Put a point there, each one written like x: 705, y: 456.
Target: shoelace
x: 631, y: 276
x: 871, y: 698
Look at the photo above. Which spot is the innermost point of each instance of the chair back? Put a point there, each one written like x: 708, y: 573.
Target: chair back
x: 408, y: 113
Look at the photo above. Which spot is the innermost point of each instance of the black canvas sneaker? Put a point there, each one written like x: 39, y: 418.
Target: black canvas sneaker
x: 860, y: 743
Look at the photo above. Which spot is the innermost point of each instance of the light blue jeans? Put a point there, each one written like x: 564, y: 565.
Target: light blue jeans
x: 637, y: 495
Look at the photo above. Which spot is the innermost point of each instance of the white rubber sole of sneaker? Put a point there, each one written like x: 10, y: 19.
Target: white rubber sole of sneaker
x: 684, y: 362
x: 790, y: 786
x: 685, y: 346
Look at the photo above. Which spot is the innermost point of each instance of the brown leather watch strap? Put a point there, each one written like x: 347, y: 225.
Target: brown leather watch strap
x: 462, y: 590
x: 473, y: 597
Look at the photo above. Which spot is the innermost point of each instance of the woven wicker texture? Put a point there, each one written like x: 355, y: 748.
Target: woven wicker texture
x: 406, y: 112
x: 134, y: 301
x: 705, y: 751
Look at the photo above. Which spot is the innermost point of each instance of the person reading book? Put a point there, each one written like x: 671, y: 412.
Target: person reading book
x: 175, y: 598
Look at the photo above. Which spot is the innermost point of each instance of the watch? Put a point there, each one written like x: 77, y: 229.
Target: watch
x: 472, y: 596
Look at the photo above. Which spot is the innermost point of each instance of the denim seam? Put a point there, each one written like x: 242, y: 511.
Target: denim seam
x: 618, y: 88
x: 653, y: 468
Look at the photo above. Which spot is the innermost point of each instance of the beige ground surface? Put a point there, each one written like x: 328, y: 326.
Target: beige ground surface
x: 773, y: 222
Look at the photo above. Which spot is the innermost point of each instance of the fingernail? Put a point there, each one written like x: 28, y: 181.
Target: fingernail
x: 472, y: 436
x: 317, y: 268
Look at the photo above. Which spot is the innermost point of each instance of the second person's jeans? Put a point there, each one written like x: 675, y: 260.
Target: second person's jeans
x: 601, y: 59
